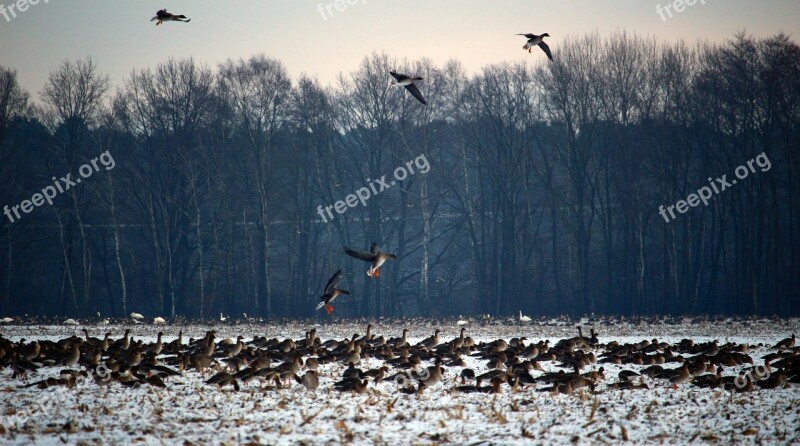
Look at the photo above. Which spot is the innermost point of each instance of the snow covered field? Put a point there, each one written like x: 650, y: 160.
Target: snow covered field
x: 191, y: 412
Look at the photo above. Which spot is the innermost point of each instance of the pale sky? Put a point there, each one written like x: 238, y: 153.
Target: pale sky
x: 118, y: 35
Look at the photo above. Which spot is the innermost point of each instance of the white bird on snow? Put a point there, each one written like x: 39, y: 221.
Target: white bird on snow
x: 461, y: 322
x: 7, y: 320
x: 70, y: 321
x: 523, y: 318
x: 159, y: 321
x: 222, y: 318
x: 136, y: 316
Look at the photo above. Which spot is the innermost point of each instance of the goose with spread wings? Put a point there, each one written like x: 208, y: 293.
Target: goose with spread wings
x: 374, y: 256
x: 408, y: 82
x: 534, y: 40
x: 163, y: 16
x: 331, y: 292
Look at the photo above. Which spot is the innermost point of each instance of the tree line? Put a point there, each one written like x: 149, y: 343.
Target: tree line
x: 543, y: 192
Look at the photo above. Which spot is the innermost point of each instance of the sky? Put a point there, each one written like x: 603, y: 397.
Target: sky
x: 316, y: 38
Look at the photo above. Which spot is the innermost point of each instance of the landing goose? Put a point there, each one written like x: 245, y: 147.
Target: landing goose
x: 534, y: 40
x: 375, y: 256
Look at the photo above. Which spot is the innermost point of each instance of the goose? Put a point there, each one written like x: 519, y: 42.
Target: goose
x: 374, y: 256
x: 7, y: 320
x: 408, y: 82
x: 163, y: 16
x: 786, y: 343
x: 376, y: 375
x: 70, y: 321
x: 434, y: 374
x: 310, y: 380
x: 461, y: 322
x: 494, y: 387
x: 222, y: 379
x: 136, y: 316
x: 410, y: 390
x: 773, y: 381
x: 628, y: 385
x: 401, y: 341
x: 628, y: 375
x: 431, y: 342
x: 159, y: 321
x: 158, y: 346
x: 681, y: 377
x: 534, y: 40
x: 122, y: 343
x: 352, y: 385
x: 467, y: 374
x: 712, y: 349
x: 523, y: 318
x: 331, y: 292
x: 222, y: 318
x: 711, y: 381
x: 73, y: 356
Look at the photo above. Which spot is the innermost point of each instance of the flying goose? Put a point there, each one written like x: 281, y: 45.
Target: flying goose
x: 331, y: 292
x: 374, y: 256
x: 163, y: 16
x: 408, y: 82
x: 534, y: 40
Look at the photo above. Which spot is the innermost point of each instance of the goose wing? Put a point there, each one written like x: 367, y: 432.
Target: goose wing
x: 333, y: 281
x: 398, y: 76
x: 361, y: 255
x: 546, y: 50
x: 415, y: 92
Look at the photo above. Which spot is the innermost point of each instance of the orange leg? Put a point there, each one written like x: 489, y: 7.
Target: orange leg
x: 376, y: 273
x: 329, y: 308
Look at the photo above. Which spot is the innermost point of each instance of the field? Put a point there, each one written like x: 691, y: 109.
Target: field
x: 188, y: 411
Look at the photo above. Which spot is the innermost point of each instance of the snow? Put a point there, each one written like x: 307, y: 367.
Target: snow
x: 190, y: 412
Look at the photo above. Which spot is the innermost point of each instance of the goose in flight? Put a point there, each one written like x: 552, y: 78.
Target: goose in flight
x: 163, y: 16
x: 534, y: 40
x: 331, y: 292
x: 374, y: 256
x: 408, y: 82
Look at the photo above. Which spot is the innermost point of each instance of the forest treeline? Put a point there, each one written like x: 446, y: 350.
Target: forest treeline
x: 543, y: 192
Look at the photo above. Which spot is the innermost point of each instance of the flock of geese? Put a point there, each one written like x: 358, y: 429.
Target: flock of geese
x: 400, y: 79
x: 272, y: 363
